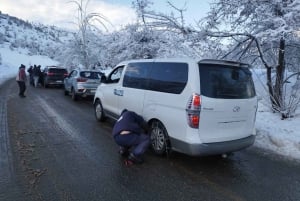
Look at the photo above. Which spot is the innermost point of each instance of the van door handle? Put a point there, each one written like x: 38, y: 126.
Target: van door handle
x: 118, y: 92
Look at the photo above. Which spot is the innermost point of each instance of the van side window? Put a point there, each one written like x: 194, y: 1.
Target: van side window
x: 136, y: 75
x: 115, y: 75
x: 217, y: 81
x: 168, y: 77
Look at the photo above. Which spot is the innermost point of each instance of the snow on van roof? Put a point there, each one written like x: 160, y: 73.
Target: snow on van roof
x: 224, y: 62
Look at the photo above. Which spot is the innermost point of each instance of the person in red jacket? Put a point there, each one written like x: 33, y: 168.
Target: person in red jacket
x: 130, y: 133
x: 21, y: 80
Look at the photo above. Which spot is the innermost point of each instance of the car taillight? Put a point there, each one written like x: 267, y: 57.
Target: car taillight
x: 80, y: 79
x: 66, y: 74
x: 50, y: 74
x: 193, y: 110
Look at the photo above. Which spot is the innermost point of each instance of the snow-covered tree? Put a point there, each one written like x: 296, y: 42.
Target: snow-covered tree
x: 85, y: 26
x: 262, y: 30
x: 174, y: 23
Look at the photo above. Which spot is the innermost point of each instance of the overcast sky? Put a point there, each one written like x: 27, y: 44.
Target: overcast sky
x: 63, y: 13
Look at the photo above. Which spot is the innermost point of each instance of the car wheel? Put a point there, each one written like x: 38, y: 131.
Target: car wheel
x: 99, y: 113
x: 73, y: 94
x: 159, y: 138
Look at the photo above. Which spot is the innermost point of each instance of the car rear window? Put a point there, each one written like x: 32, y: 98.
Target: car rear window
x: 220, y: 81
x: 57, y: 70
x: 90, y: 74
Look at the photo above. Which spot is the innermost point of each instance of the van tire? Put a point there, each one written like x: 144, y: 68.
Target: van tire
x: 99, y: 113
x: 160, y: 143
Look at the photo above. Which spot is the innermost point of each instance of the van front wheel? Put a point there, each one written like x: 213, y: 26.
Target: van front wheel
x: 99, y: 114
x: 159, y: 138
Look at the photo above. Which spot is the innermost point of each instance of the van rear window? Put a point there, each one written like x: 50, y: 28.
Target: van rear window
x: 220, y: 81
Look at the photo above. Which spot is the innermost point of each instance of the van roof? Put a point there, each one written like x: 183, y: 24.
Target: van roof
x: 188, y: 60
x: 160, y: 60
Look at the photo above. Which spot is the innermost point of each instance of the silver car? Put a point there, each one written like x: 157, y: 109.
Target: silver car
x: 82, y: 83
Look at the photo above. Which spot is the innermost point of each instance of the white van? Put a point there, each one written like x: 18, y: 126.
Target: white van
x: 205, y: 107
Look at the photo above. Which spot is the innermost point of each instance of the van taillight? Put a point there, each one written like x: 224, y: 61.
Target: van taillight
x: 193, y: 110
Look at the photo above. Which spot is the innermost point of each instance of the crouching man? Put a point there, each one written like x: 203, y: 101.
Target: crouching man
x: 130, y: 133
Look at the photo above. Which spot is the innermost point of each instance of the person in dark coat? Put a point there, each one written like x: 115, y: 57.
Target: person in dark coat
x: 36, y: 75
x: 40, y: 75
x: 30, y: 71
x: 129, y: 133
x: 21, y: 80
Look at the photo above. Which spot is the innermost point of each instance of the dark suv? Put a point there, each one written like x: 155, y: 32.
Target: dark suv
x: 54, y: 76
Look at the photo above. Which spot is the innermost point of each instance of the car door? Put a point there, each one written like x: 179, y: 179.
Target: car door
x: 229, y: 103
x: 111, y: 92
x: 133, y: 86
x: 69, y: 80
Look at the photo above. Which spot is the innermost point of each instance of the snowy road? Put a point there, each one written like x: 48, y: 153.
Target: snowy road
x: 53, y: 149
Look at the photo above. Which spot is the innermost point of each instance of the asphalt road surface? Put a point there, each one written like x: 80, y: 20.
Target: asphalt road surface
x: 52, y: 148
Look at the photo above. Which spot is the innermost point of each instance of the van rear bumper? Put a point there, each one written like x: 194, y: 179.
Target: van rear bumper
x: 216, y: 148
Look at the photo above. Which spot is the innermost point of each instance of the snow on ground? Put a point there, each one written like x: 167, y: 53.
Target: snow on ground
x: 11, y: 61
x: 279, y: 136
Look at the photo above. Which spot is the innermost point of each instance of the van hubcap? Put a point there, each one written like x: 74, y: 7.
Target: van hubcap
x: 98, y: 111
x: 157, y: 138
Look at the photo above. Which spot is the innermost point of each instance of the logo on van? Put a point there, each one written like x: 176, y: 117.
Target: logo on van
x: 236, y: 109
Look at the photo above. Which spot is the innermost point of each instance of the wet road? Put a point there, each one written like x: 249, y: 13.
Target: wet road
x: 53, y: 149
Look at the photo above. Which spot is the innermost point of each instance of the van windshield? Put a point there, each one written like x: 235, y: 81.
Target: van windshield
x: 221, y: 81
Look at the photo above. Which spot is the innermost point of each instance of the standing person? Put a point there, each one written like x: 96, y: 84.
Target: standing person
x: 36, y: 75
x: 21, y: 79
x: 40, y: 75
x: 30, y: 69
x: 129, y: 133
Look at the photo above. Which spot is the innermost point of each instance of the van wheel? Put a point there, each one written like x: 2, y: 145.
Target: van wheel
x: 73, y: 95
x: 99, y: 114
x: 159, y: 138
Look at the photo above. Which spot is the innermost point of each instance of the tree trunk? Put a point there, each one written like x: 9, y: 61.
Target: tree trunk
x: 278, y: 88
x: 270, y: 86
